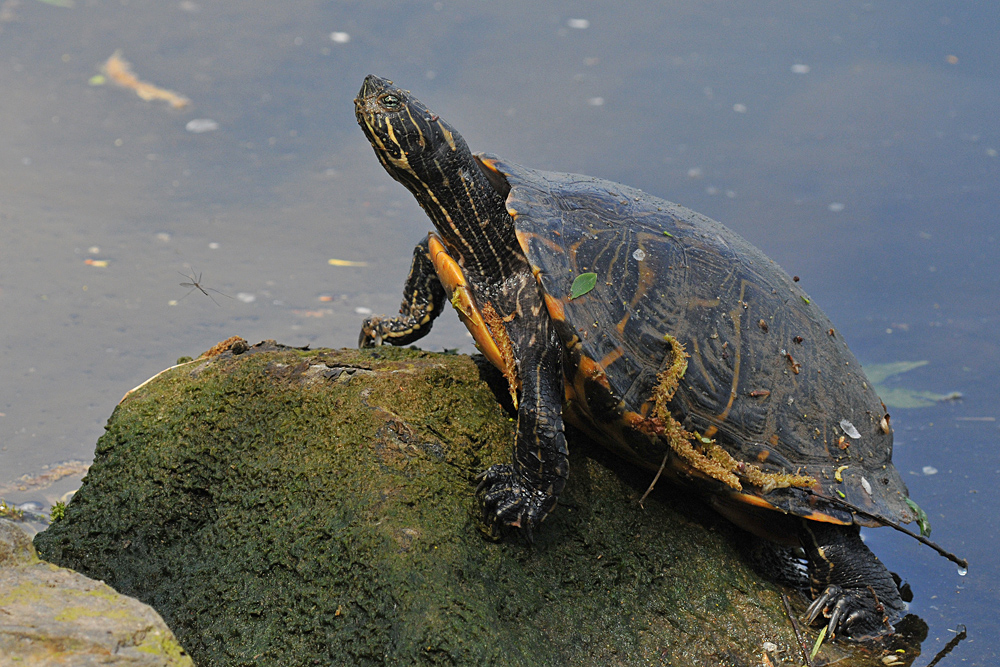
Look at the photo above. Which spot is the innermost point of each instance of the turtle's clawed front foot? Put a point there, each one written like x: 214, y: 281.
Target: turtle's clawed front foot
x: 508, y: 501
x: 852, y: 612
x: 371, y: 333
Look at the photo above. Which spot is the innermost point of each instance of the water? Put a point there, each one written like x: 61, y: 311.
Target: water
x: 855, y: 143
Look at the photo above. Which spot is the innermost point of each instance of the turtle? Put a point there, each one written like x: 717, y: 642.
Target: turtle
x: 659, y: 332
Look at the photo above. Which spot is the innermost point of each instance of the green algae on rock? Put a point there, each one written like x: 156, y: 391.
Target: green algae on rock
x: 53, y: 616
x: 290, y: 507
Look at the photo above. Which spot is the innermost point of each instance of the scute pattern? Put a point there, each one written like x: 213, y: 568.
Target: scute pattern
x: 771, y: 394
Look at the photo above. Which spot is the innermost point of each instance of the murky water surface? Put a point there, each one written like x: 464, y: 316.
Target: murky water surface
x: 856, y: 143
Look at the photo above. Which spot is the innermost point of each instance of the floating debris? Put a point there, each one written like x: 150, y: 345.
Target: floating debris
x: 849, y: 429
x: 799, y: 68
x: 836, y: 207
x: 100, y: 263
x: 340, y: 37
x: 47, y: 477
x: 345, y: 262
x: 901, y: 397
x: 639, y: 255
x: 578, y: 24
x: 361, y: 310
x: 199, y: 125
x: 120, y: 71
x: 929, y: 470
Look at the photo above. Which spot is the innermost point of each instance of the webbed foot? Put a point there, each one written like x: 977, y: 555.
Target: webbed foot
x: 851, y: 612
x: 507, y: 501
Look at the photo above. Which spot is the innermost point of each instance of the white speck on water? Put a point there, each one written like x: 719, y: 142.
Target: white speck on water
x: 929, y: 470
x: 596, y: 101
x: 740, y: 108
x: 214, y: 246
x: 94, y: 250
x: 579, y: 24
x: 199, y: 125
x: 639, y: 255
x: 799, y: 68
x: 849, y: 429
x: 340, y: 37
x: 866, y: 486
x: 163, y: 237
x: 836, y: 207
x: 361, y: 310
x: 695, y: 172
x: 246, y: 297
x: 991, y: 152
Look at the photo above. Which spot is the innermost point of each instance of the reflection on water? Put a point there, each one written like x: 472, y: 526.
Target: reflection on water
x: 855, y: 143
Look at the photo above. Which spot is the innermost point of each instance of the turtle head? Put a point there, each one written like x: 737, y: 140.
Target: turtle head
x: 409, y: 139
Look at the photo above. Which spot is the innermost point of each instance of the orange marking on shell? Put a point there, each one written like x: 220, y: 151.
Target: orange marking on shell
x: 452, y: 277
x: 594, y: 371
x: 524, y: 237
x: 555, y: 307
x: 612, y: 357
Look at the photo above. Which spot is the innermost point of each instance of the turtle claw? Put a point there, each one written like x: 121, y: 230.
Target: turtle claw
x: 371, y: 335
x: 852, y: 612
x: 508, y: 501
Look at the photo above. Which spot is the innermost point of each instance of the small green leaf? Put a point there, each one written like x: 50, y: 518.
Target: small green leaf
x: 819, y: 642
x: 583, y: 284
x: 97, y: 80
x: 806, y: 299
x: 668, y: 234
x: 922, y: 520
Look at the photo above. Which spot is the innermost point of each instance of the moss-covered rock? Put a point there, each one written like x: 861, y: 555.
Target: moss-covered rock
x: 53, y: 616
x: 291, y: 507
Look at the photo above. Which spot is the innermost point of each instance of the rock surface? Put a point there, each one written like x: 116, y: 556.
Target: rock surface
x: 51, y: 616
x: 290, y: 507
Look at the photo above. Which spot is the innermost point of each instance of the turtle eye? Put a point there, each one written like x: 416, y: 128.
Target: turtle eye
x: 391, y: 102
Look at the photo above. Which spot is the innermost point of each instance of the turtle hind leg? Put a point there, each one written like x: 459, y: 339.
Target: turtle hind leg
x: 779, y: 563
x: 423, y: 299
x: 853, y: 589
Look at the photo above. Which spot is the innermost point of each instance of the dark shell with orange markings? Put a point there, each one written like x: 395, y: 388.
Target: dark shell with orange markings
x: 663, y: 269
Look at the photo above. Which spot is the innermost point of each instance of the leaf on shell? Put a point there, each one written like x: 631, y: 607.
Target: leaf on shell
x: 583, y: 284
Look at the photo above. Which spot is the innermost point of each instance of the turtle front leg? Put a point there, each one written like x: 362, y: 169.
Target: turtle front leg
x: 853, y: 589
x: 522, y: 493
x: 423, y: 299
